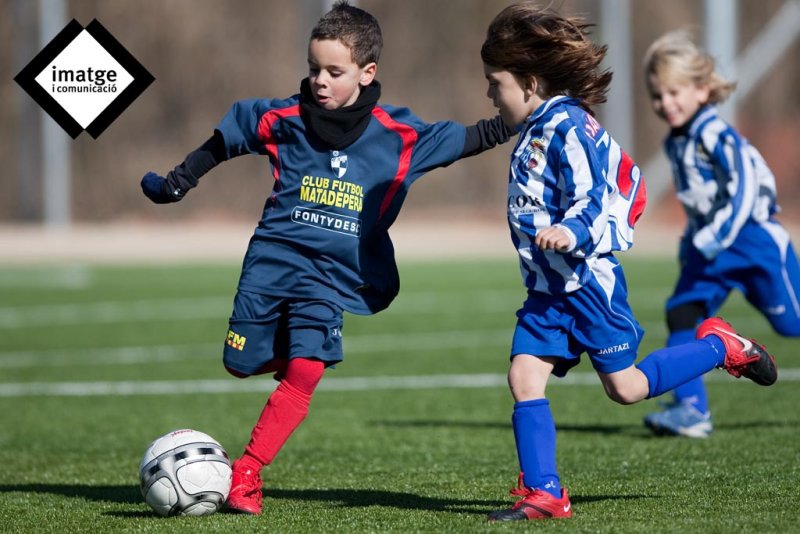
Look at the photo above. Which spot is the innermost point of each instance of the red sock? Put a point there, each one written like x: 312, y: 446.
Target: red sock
x: 284, y: 411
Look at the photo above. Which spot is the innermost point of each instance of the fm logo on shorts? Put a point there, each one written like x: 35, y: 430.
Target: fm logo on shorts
x: 235, y: 340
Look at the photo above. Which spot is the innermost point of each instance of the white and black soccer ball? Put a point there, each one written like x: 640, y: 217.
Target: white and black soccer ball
x: 185, y: 472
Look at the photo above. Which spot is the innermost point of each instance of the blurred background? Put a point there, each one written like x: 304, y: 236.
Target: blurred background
x: 205, y: 54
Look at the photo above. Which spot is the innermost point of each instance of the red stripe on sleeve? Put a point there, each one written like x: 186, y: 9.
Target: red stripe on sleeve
x: 626, y: 183
x: 638, y: 204
x: 409, y: 137
x: 624, y: 179
x: 265, y: 124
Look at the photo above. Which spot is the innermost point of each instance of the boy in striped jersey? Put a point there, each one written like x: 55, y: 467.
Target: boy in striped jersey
x: 574, y: 196
x: 732, y: 240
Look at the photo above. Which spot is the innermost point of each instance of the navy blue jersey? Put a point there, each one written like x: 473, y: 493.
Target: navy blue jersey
x: 324, y: 230
x: 720, y: 179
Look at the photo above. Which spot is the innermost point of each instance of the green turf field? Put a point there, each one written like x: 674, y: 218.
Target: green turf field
x: 411, y: 433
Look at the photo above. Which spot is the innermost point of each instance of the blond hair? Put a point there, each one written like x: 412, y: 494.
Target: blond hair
x: 674, y: 56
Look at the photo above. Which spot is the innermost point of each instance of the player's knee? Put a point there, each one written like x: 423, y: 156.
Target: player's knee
x: 528, y: 375
x: 624, y: 393
x: 621, y: 397
x: 685, y: 316
x: 234, y: 372
x: 522, y: 388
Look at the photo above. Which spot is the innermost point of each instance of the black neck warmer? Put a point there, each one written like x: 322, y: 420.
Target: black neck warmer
x: 338, y: 128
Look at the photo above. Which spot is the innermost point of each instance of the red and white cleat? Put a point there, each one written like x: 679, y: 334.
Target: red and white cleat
x: 743, y: 357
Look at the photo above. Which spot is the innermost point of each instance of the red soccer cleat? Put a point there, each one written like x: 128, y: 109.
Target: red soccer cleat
x: 534, y: 504
x: 743, y: 357
x: 245, y: 494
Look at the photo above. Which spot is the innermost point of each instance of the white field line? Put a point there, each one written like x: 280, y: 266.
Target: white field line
x: 445, y: 340
x: 110, y: 312
x: 362, y: 344
x: 192, y: 387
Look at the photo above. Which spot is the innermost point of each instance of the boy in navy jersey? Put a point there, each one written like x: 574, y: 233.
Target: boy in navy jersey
x: 574, y: 197
x: 732, y: 240
x: 342, y: 165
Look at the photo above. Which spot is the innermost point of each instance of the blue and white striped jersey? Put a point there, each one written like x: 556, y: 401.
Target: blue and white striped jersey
x: 566, y: 170
x: 721, y: 180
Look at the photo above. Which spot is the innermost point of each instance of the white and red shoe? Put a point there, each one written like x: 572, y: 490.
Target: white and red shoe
x: 743, y: 357
x: 534, y: 504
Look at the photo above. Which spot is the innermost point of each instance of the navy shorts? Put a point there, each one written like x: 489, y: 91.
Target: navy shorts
x: 761, y: 263
x: 263, y: 328
x: 596, y: 319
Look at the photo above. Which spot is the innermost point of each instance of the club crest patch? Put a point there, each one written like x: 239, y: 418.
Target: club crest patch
x: 536, y: 150
x: 703, y: 158
x: 338, y: 163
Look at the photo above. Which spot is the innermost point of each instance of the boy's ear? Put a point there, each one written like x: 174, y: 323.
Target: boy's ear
x: 368, y: 74
x: 704, y: 93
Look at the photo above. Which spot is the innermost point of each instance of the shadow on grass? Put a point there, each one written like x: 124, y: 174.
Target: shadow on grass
x: 136, y: 514
x: 588, y: 428
x: 584, y: 499
x: 109, y: 494
x: 351, y: 498
x: 114, y: 494
x: 361, y: 498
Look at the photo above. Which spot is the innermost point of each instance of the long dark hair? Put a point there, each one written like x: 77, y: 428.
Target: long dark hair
x: 530, y: 41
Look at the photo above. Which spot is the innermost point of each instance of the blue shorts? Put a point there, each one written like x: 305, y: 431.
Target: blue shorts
x: 761, y: 263
x: 595, y: 319
x: 263, y: 327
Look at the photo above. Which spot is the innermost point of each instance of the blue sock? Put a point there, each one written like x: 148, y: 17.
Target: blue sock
x: 692, y: 392
x: 670, y: 367
x: 535, y: 434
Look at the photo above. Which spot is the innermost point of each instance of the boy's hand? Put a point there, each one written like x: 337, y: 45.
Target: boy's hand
x: 553, y: 238
x: 157, y: 189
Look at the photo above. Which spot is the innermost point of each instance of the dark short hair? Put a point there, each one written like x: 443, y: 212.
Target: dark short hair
x: 355, y: 28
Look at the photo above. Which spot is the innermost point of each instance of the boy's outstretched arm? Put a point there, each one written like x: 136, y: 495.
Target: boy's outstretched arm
x: 186, y: 175
x: 486, y: 134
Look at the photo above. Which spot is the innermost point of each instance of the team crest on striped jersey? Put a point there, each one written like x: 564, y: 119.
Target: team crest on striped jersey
x: 703, y: 158
x: 338, y: 163
x: 535, y: 151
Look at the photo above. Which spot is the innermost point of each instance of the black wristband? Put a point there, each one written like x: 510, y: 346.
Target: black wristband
x: 197, y: 163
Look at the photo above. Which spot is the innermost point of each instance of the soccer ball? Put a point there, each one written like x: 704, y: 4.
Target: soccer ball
x: 185, y: 472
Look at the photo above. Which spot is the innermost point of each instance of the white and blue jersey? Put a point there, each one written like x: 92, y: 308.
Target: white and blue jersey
x: 567, y: 171
x: 720, y: 179
x: 731, y: 240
